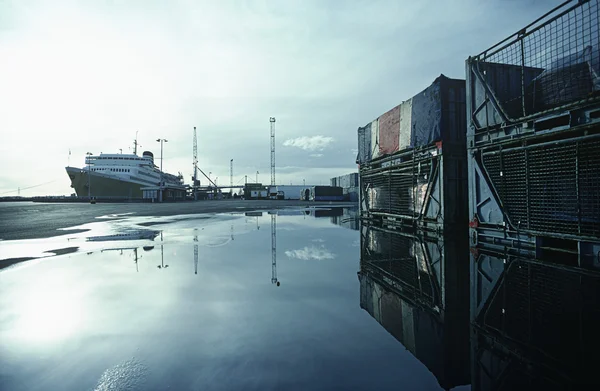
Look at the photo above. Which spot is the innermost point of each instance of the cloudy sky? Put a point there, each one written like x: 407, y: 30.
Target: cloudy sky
x: 86, y: 75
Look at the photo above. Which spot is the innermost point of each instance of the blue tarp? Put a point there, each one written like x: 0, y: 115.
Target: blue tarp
x: 426, y: 116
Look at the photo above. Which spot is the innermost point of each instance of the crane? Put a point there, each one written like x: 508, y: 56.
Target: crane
x: 272, y: 121
x: 195, y: 164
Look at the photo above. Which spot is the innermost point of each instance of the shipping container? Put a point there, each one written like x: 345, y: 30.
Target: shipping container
x: 528, y: 194
x: 420, y: 189
x: 534, y: 322
x: 435, y: 114
x: 417, y: 288
x: 544, y: 78
x: 326, y: 193
x: 534, y: 137
x: 424, y: 184
x: 288, y: 192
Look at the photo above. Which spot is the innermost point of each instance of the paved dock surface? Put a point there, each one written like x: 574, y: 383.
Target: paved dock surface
x: 29, y: 220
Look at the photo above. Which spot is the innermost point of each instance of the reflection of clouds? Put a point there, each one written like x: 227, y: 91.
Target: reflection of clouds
x: 356, y: 243
x: 318, y: 240
x: 312, y: 252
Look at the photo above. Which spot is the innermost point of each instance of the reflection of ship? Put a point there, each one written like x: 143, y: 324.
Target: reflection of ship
x: 417, y: 289
x: 131, y: 235
x: 535, y: 325
x: 119, y: 175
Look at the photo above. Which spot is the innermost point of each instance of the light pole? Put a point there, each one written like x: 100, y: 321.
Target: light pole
x: 256, y: 176
x: 162, y: 254
x: 89, y: 154
x: 161, y: 141
x: 231, y: 178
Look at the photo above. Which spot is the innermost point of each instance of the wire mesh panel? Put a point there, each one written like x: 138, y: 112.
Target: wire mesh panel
x: 404, y: 260
x: 552, y: 188
x: 552, y: 63
x: 399, y: 189
x: 549, y: 310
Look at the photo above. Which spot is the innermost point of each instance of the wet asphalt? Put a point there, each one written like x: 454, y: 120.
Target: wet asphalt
x: 32, y: 220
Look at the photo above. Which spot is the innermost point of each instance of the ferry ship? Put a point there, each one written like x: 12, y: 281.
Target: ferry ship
x: 120, y: 175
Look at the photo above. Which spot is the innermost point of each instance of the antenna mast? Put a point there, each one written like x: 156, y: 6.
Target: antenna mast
x: 135, y: 144
x: 195, y: 179
x: 272, y: 121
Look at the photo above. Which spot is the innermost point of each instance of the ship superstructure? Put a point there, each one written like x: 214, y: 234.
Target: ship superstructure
x: 119, y: 175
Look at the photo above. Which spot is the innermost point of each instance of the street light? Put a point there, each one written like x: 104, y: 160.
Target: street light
x: 161, y: 140
x: 256, y: 176
x: 89, y: 154
x: 162, y: 254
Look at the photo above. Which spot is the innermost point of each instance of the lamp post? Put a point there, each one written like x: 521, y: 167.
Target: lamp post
x: 89, y: 154
x: 162, y: 256
x: 256, y: 176
x: 161, y: 141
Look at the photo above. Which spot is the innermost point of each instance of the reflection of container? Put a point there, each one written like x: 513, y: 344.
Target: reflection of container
x: 519, y: 308
x: 417, y: 289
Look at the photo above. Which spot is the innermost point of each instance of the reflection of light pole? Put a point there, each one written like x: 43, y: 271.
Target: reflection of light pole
x: 303, y: 182
x: 89, y: 154
x: 162, y: 254
x: 231, y: 177
x: 195, y: 250
x: 161, y: 140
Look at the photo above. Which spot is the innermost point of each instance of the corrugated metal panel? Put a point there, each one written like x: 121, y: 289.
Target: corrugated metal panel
x: 405, y: 125
x: 389, y: 131
x: 375, y: 139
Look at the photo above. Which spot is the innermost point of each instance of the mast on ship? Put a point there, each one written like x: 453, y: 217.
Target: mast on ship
x: 135, y: 144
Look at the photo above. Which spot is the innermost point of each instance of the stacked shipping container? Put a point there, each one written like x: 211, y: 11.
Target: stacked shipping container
x: 412, y: 158
x: 534, y: 139
x: 415, y: 286
x: 533, y: 107
x: 349, y: 184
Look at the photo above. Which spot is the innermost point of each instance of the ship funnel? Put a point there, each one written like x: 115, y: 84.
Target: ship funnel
x: 150, y: 155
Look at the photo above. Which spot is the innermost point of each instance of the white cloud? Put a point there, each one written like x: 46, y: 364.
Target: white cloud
x: 312, y: 252
x: 316, y: 155
x: 313, y: 143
